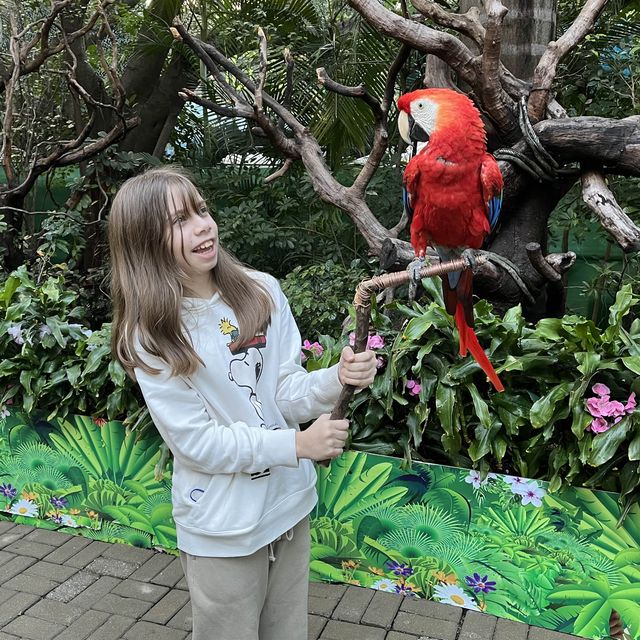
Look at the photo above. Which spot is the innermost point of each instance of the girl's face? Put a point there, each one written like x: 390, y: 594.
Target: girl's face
x: 194, y: 241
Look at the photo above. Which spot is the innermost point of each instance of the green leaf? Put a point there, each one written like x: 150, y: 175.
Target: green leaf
x: 480, y: 406
x: 606, y: 444
x: 632, y: 363
x: 543, y: 409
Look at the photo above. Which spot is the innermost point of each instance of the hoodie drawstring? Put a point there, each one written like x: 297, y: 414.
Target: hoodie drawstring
x: 288, y: 536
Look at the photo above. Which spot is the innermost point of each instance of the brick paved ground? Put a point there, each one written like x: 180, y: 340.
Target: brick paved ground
x: 55, y: 586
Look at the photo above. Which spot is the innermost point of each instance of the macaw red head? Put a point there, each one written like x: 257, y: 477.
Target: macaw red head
x: 438, y: 112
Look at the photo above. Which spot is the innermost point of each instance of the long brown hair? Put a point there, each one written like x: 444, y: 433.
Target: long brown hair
x: 146, y: 281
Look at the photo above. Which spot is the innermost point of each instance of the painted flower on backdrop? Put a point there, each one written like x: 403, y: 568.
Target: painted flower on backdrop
x: 474, y: 478
x: 531, y: 493
x: 59, y: 502
x: 8, y: 491
x: 315, y: 348
x: 515, y: 483
x: 414, y: 387
x: 399, y: 568
x: 607, y: 412
x: 384, y: 585
x: 479, y: 584
x: 374, y: 341
x: 25, y: 508
x: 453, y: 594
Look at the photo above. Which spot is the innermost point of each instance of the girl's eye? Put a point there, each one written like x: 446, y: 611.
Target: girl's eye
x: 179, y: 219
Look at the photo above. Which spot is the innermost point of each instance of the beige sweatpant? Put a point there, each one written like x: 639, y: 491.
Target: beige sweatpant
x: 252, y: 597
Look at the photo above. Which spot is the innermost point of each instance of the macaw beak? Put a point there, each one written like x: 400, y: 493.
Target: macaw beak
x: 410, y: 131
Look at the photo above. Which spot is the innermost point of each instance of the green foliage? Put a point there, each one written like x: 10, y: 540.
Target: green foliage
x: 51, y: 360
x: 318, y: 294
x: 538, y: 427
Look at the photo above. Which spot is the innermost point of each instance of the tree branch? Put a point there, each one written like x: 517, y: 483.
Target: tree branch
x: 262, y: 75
x: 599, y: 198
x: 546, y: 70
x: 6, y: 151
x: 467, y: 23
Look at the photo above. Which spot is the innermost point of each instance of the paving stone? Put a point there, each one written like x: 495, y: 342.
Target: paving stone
x: 54, y: 610
x: 5, y: 594
x: 150, y: 631
x: 111, y: 567
x: 5, y: 525
x: 69, y: 549
x: 510, y: 630
x: 70, y: 588
x: 396, y: 635
x: 113, y: 628
x: 321, y: 606
x: 170, y: 575
x: 325, y: 590
x: 183, y: 619
x: 90, y: 552
x: 98, y: 590
x: 128, y: 553
x: 26, y: 547
x: 382, y: 609
x: 131, y: 607
x: 422, y: 625
x: 537, y: 633
x: 86, y: 624
x: 432, y: 609
x: 14, y: 567
x: 182, y: 585
x: 316, y: 624
x: 56, y: 572
x: 336, y: 630
x: 33, y: 628
x: 31, y: 584
x: 12, y: 534
x: 6, y: 636
x: 6, y: 556
x: 141, y: 590
x: 353, y: 604
x: 15, y: 606
x: 477, y: 626
x: 168, y: 607
x: 52, y: 538
x: 152, y: 567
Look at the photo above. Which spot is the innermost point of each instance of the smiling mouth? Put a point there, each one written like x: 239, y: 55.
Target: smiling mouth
x: 204, y: 246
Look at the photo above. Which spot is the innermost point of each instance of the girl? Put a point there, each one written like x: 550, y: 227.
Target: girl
x: 215, y: 350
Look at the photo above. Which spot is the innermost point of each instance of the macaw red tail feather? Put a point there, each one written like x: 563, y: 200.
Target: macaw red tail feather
x: 469, y: 340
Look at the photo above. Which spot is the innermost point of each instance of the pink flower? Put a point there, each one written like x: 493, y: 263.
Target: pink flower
x: 380, y: 362
x: 352, y: 338
x: 601, y: 389
x: 631, y: 403
x: 599, y: 425
x: 375, y: 342
x: 599, y: 407
x: 413, y: 387
x: 614, y: 408
x: 315, y: 347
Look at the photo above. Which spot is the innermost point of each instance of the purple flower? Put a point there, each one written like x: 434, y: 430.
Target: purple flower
x: 631, y: 403
x: 479, y: 584
x: 599, y: 425
x: 380, y: 362
x: 15, y: 331
x: 413, y: 387
x: 59, y: 503
x: 8, y: 491
x: 601, y: 390
x: 404, y: 589
x: 375, y: 342
x: 399, y: 568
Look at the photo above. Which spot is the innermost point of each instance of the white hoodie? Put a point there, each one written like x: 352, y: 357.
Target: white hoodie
x: 237, y: 483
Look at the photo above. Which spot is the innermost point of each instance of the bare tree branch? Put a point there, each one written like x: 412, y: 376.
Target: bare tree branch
x: 466, y: 23
x: 546, y: 70
x: 492, y: 95
x: 262, y: 74
x: 288, y: 163
x: 6, y: 151
x: 239, y: 111
x: 599, y: 198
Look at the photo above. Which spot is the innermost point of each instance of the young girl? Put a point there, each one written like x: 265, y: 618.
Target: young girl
x: 216, y: 353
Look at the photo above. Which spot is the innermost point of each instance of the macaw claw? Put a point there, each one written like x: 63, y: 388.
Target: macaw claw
x: 469, y: 256
x: 414, y: 268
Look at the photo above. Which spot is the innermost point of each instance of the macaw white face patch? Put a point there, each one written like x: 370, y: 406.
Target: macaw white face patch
x: 425, y: 112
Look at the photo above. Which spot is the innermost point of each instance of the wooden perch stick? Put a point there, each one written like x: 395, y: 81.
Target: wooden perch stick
x: 362, y: 302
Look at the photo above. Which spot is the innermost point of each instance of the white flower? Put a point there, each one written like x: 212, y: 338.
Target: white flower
x: 15, y: 331
x: 4, y: 412
x: 91, y: 347
x: 25, y: 508
x: 68, y: 521
x: 516, y: 483
x: 87, y: 332
x: 385, y: 585
x: 531, y: 493
x: 474, y: 479
x: 45, y: 330
x: 453, y: 594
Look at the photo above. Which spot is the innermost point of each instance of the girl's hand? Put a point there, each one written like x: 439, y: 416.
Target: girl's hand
x: 323, y: 440
x: 357, y: 369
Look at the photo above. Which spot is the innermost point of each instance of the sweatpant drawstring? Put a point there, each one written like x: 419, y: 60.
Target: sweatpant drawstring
x: 288, y: 535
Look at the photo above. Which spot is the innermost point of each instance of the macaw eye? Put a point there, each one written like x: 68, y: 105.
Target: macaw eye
x: 420, y: 105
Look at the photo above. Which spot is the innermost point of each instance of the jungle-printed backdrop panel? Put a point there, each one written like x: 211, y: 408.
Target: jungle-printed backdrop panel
x: 499, y: 544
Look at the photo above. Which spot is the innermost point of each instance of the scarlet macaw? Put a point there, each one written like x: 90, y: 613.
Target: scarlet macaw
x: 453, y: 192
